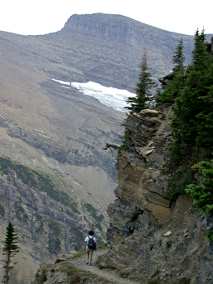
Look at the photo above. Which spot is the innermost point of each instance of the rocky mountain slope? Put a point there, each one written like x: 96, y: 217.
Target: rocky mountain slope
x: 55, y: 178
x: 110, y: 48
x: 154, y: 240
x: 151, y: 240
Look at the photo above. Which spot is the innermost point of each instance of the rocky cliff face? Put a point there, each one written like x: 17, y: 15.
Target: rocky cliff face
x: 153, y: 241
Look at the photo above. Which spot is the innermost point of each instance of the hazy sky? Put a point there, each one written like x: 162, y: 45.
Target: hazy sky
x: 43, y: 16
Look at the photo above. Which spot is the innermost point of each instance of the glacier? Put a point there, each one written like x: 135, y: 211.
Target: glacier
x: 108, y: 96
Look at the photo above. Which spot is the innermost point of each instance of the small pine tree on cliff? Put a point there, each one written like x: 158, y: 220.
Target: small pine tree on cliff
x: 143, y: 89
x: 178, y: 58
x: 10, y: 249
x: 176, y: 83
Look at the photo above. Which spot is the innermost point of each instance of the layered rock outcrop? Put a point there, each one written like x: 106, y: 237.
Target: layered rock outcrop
x: 152, y: 240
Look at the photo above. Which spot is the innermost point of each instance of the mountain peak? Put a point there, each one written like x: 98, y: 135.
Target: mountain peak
x: 100, y: 18
x: 114, y: 27
x: 106, y: 26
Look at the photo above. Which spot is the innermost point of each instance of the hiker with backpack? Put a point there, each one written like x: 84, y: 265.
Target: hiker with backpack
x: 90, y: 241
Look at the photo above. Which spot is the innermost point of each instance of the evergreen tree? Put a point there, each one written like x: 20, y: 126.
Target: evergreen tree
x: 10, y: 249
x: 204, y: 118
x: 176, y: 81
x: 178, y: 58
x: 201, y: 191
x: 200, y: 54
x: 193, y: 107
x: 190, y: 91
x: 143, y: 89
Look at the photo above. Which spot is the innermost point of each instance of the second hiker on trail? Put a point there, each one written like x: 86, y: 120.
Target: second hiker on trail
x: 90, y: 241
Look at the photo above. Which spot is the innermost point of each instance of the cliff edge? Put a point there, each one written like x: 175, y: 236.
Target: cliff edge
x: 153, y: 240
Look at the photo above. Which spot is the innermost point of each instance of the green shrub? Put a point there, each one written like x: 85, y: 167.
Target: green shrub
x: 202, y: 191
x: 210, y: 235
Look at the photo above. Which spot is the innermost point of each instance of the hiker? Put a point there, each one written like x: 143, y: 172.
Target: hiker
x: 90, y: 241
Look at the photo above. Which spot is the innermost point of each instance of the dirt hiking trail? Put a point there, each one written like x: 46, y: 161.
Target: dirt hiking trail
x: 109, y: 275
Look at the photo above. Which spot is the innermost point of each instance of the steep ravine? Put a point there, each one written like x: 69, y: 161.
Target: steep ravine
x: 48, y: 219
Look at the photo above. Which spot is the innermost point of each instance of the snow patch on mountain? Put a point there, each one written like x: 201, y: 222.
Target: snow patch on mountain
x: 61, y: 82
x: 109, y: 96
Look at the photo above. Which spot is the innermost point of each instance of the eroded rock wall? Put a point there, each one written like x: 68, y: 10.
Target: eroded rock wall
x: 153, y: 240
